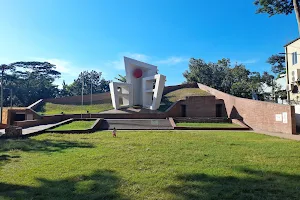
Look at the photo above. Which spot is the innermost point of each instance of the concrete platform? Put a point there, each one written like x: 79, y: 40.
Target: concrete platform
x: 131, y: 111
x: 136, y: 124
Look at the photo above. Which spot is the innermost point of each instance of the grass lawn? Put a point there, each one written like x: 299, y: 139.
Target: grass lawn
x: 76, y: 125
x: 150, y: 165
x: 52, y: 109
x: 171, y: 97
x: 208, y: 125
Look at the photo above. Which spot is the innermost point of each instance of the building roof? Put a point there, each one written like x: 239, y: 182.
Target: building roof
x: 292, y: 41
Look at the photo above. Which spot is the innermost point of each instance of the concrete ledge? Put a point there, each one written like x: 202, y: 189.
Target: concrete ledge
x: 203, y: 119
x: 36, y: 104
x: 234, y: 121
x: 211, y: 128
x: 96, y: 126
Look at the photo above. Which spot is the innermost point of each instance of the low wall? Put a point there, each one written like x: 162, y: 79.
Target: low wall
x: 51, y: 119
x: 202, y: 119
x: 105, y: 97
x: 259, y: 115
x: 297, y: 113
x: 97, y: 98
x: 195, y: 106
x: 44, y: 120
x: 200, y: 106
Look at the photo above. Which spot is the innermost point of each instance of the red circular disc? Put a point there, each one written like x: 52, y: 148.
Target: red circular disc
x: 137, y: 73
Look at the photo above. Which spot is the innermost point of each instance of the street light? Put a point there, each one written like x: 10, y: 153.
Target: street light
x: 82, y: 88
x: 91, y: 89
x: 10, y: 96
x: 1, y: 100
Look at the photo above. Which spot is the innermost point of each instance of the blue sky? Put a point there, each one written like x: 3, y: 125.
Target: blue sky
x: 81, y: 35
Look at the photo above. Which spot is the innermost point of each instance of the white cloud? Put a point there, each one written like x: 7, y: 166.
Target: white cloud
x: 250, y: 61
x: 138, y: 56
x: 61, y: 65
x: 172, y: 60
x: 119, y: 64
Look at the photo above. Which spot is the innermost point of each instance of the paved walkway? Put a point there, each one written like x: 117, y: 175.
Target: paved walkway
x: 32, y: 130
x: 281, y: 135
x: 36, y: 129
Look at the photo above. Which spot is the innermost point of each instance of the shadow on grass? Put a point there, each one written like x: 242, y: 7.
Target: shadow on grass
x: 40, y: 145
x: 9, y: 146
x: 99, y: 185
x: 251, y: 185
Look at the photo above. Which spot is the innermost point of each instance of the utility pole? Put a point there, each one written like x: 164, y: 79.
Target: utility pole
x: 1, y: 102
x: 82, y: 95
x: 11, y: 103
x: 91, y: 89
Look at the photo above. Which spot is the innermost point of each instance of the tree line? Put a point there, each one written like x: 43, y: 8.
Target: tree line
x: 236, y: 79
x: 26, y: 82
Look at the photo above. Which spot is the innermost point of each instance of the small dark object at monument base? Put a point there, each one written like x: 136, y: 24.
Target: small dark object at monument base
x: 114, y: 132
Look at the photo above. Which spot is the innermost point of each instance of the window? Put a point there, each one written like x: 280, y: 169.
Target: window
x: 294, y: 56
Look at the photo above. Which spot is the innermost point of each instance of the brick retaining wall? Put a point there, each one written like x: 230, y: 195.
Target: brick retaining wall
x: 97, y: 98
x: 259, y: 115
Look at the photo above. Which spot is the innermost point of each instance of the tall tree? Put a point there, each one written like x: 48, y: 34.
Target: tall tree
x: 29, y: 81
x: 273, y: 7
x: 278, y: 64
x: 92, y: 82
x: 235, y: 80
x: 121, y: 78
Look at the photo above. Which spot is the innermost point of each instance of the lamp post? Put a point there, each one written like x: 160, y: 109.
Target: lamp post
x: 82, y: 87
x: 91, y: 89
x: 1, y: 101
x: 10, y: 95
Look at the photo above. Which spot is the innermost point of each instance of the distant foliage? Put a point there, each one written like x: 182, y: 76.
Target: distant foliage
x: 235, y: 80
x: 91, y: 81
x: 29, y: 81
x: 278, y: 64
x: 121, y: 78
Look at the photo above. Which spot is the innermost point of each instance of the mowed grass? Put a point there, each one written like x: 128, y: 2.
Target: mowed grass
x: 207, y: 125
x: 52, y: 109
x: 75, y: 125
x: 171, y: 97
x: 150, y: 165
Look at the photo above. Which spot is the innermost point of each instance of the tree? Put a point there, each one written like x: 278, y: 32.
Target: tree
x: 92, y: 80
x: 274, y: 7
x: 30, y: 81
x: 235, y: 80
x: 278, y: 64
x: 65, y: 91
x: 121, y: 78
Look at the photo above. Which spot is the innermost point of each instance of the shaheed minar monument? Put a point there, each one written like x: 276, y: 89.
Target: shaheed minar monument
x: 143, y: 87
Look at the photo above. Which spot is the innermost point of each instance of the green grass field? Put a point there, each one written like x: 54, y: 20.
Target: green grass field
x: 75, y: 125
x: 208, y: 125
x: 52, y: 109
x: 150, y: 165
x: 171, y: 97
